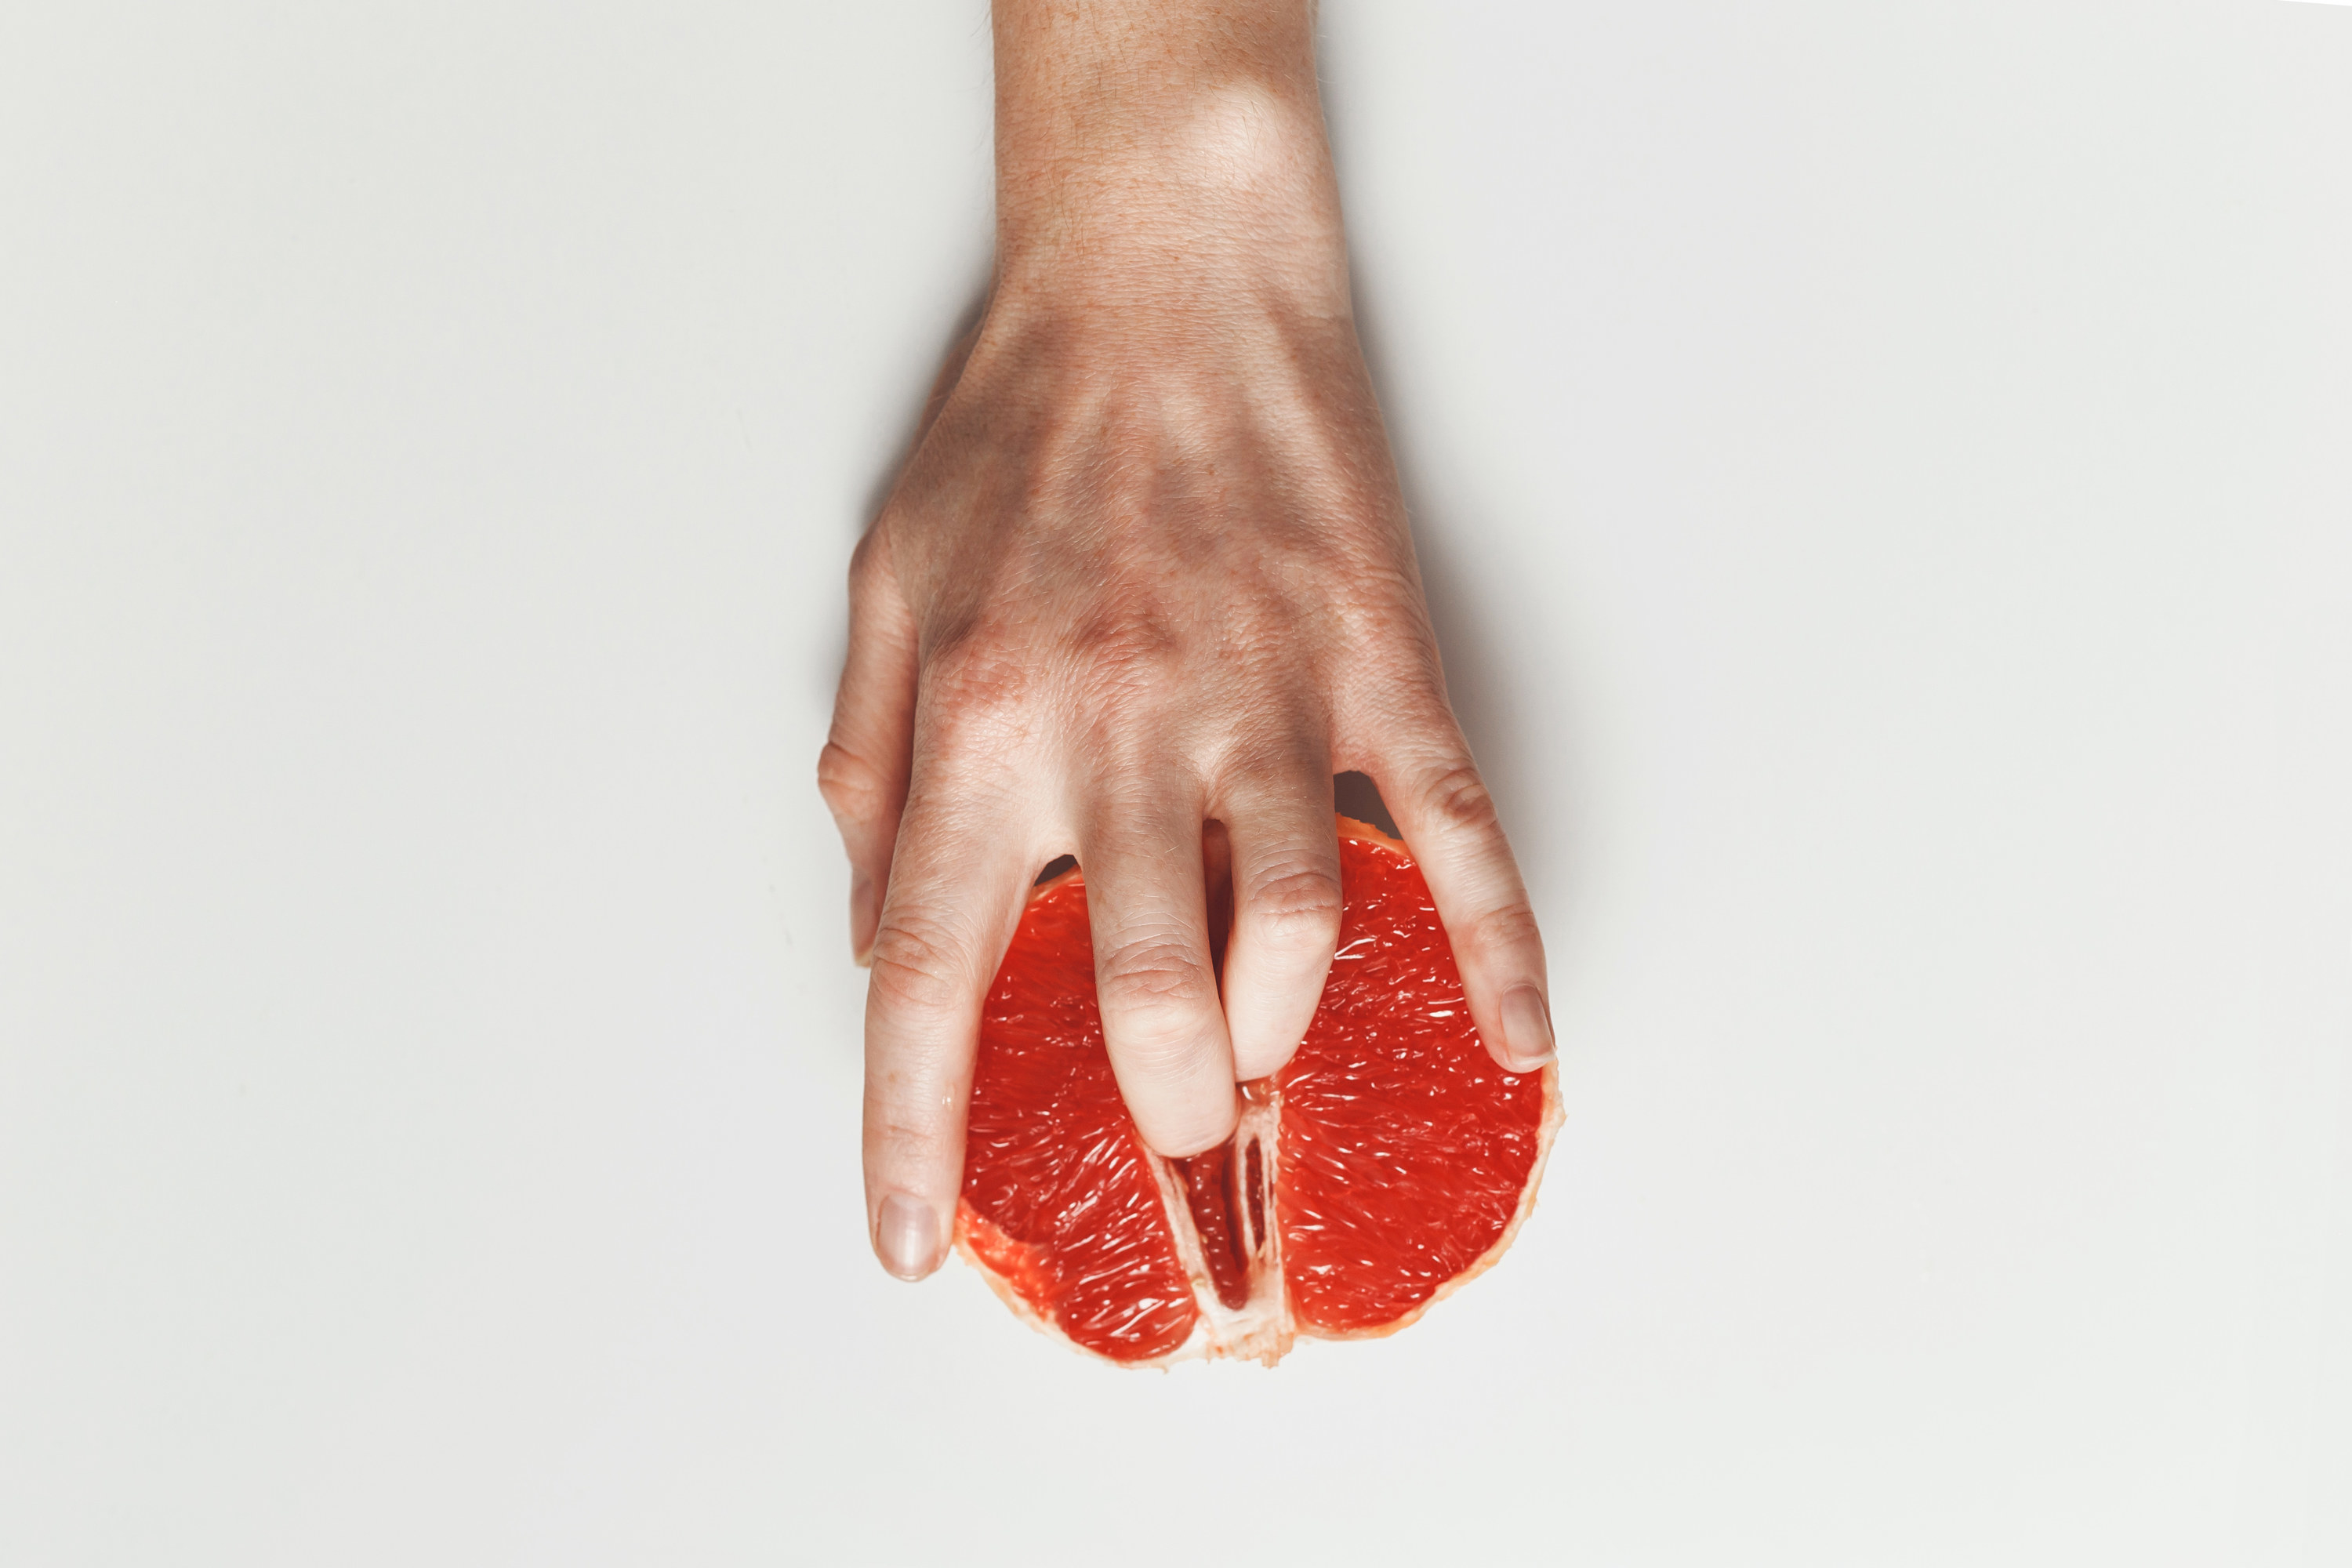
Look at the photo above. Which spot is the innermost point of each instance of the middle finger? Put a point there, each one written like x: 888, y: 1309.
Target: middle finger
x: 1140, y: 846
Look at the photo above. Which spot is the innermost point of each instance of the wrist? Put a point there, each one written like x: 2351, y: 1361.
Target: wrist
x: 1229, y: 191
x: 1146, y: 152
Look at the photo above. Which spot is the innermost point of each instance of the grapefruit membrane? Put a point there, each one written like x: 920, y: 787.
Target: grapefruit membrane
x: 1387, y: 1163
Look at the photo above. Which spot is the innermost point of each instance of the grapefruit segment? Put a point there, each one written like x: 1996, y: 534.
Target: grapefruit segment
x: 1389, y: 1162
x: 1405, y: 1149
x: 1061, y: 1202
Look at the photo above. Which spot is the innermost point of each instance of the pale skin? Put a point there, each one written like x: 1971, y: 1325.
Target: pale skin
x: 1144, y: 586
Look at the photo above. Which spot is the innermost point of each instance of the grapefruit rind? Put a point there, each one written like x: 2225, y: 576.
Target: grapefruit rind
x: 1263, y: 1331
x: 1005, y: 1263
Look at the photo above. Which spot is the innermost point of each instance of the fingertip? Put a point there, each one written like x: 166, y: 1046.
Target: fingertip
x: 1252, y: 1063
x: 1181, y: 1097
x: 1526, y: 1042
x: 906, y: 1237
x: 1195, y: 1135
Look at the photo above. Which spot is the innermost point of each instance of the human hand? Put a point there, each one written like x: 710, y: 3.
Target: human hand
x: 1146, y: 576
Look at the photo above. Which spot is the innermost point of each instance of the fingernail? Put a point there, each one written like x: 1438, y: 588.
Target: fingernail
x: 906, y: 1237
x: 1527, y: 1028
x: 865, y: 914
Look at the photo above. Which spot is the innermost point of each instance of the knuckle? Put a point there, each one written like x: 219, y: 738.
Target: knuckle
x: 918, y: 964
x: 869, y: 566
x: 1296, y: 906
x: 854, y: 789
x: 972, y: 666
x: 1459, y: 802
x: 1503, y: 929
x: 977, y: 664
x: 1384, y: 620
x: 1155, y: 977
x: 1124, y: 651
x: 1157, y: 997
x: 977, y: 692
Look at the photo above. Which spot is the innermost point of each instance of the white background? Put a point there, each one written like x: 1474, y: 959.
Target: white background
x: 1884, y: 473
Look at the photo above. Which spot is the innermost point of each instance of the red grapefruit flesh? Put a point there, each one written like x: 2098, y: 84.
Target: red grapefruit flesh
x: 1405, y: 1149
x: 1387, y: 1163
x: 1060, y: 1200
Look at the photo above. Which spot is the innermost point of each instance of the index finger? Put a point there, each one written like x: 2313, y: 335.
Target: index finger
x: 957, y: 883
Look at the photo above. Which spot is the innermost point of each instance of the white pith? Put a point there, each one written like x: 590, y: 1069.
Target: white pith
x: 1260, y: 1328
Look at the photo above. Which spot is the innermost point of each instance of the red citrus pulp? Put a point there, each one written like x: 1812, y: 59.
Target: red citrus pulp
x: 1387, y: 1163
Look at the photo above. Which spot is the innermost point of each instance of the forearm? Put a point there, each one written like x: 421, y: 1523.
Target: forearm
x: 1164, y: 148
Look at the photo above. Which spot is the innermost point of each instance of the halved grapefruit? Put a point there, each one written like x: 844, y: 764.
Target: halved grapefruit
x: 1389, y: 1162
